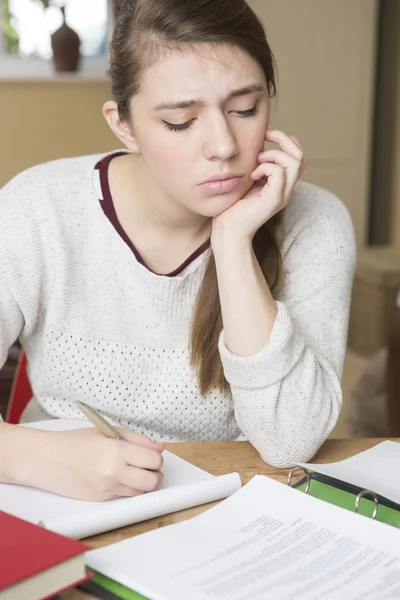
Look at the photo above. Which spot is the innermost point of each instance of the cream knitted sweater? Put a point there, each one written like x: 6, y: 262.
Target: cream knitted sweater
x: 100, y: 327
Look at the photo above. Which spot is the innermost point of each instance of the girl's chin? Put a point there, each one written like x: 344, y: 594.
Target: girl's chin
x: 215, y: 208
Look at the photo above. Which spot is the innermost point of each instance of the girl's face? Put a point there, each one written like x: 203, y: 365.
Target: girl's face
x: 201, y: 117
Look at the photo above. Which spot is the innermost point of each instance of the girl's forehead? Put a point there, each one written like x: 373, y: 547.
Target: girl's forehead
x: 191, y: 68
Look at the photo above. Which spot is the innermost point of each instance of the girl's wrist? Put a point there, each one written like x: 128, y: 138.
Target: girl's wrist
x: 8, y: 449
x: 21, y: 449
x: 223, y: 239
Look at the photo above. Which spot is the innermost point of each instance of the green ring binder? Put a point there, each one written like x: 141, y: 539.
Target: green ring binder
x: 304, y: 471
x: 340, y: 493
x: 374, y: 497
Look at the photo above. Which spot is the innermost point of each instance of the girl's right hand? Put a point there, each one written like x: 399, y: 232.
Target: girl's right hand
x: 83, y: 463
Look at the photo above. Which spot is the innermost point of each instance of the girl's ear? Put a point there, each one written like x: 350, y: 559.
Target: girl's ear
x: 122, y: 129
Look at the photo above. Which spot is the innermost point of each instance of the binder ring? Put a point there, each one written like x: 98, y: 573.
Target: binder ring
x: 307, y: 474
x: 367, y: 493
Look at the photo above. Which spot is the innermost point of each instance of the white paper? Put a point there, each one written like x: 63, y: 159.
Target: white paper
x: 267, y: 541
x: 184, y: 485
x: 375, y: 469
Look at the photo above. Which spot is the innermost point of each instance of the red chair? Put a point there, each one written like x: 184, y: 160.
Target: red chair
x: 21, y: 392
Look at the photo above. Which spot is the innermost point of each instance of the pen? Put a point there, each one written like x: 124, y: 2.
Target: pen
x: 99, y: 421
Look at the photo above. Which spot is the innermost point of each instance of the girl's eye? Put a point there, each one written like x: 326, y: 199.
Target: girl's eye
x: 250, y: 112
x: 179, y: 127
x: 182, y: 126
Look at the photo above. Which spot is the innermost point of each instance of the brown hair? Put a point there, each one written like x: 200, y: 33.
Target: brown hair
x: 143, y: 29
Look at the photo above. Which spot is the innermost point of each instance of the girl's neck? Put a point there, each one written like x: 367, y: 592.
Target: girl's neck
x: 137, y: 195
x: 164, y: 233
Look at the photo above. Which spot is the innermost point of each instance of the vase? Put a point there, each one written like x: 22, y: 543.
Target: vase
x: 65, y: 43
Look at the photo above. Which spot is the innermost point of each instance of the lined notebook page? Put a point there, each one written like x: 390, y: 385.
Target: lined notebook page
x: 184, y: 485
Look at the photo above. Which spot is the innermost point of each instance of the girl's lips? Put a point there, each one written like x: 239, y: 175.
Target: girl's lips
x: 221, y: 186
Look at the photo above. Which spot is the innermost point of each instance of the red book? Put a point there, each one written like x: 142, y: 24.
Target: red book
x: 36, y: 563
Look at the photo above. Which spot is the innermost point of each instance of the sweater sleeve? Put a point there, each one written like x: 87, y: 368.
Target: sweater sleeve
x: 287, y: 397
x: 11, y: 322
x: 23, y: 246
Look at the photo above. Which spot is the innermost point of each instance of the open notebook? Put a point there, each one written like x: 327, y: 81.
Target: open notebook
x: 184, y: 485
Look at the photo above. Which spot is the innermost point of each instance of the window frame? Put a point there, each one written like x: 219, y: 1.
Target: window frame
x: 20, y: 68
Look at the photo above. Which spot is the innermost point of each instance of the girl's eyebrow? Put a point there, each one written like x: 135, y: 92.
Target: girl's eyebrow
x: 244, y: 91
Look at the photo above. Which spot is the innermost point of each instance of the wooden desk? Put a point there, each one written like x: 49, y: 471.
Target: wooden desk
x: 219, y: 458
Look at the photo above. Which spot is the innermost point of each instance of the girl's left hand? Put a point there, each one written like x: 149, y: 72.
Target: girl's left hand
x: 275, y: 179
